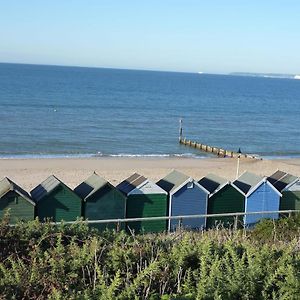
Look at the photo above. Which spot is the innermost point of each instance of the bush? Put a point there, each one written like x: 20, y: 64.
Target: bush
x: 284, y: 229
x: 73, y: 262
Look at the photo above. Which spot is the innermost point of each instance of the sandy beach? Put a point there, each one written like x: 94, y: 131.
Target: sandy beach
x: 30, y: 172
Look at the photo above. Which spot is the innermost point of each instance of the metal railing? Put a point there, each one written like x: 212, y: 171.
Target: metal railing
x: 118, y: 222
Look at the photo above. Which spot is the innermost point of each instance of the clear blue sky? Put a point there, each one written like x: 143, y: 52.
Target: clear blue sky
x: 216, y: 36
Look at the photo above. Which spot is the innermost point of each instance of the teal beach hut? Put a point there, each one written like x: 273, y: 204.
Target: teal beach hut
x: 101, y: 200
x: 260, y: 196
x: 186, y: 197
x: 16, y: 201
x: 56, y: 201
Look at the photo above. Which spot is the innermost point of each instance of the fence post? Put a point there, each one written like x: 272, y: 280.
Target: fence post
x: 179, y: 223
x: 235, y: 222
x: 118, y: 225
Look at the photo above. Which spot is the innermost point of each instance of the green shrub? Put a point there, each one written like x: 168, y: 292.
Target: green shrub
x: 43, y: 261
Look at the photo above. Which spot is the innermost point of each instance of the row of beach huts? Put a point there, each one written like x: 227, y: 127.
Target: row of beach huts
x: 138, y: 197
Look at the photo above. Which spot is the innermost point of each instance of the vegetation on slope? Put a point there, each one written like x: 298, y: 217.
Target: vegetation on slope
x: 42, y: 261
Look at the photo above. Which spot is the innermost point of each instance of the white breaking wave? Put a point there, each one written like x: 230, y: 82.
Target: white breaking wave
x: 90, y: 155
x: 191, y: 155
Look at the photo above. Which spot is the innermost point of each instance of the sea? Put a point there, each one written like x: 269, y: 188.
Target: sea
x: 55, y: 111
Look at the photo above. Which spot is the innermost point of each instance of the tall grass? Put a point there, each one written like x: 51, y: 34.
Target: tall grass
x: 42, y: 261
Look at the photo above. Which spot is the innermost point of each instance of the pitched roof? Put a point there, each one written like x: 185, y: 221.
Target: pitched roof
x: 172, y: 181
x: 147, y: 187
x: 247, y: 181
x: 90, y: 186
x: 212, y: 182
x: 276, y: 176
x: 285, y: 181
x: 281, y: 179
x: 131, y: 183
x: 294, y: 187
x: 7, y: 185
x: 45, y: 188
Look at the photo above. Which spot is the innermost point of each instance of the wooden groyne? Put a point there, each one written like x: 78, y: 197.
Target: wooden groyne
x: 215, y: 150
x: 211, y: 149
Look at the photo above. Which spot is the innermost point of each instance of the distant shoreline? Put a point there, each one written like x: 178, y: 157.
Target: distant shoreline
x: 266, y: 75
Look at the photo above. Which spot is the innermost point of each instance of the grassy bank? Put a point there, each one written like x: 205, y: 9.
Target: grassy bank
x: 40, y: 261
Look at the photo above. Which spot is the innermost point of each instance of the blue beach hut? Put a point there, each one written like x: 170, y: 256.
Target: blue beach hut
x: 186, y: 197
x: 260, y: 196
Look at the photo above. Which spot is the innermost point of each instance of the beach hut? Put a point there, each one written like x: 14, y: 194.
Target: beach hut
x: 101, y: 200
x: 15, y: 200
x: 56, y: 201
x: 186, y: 197
x: 281, y: 179
x: 260, y: 196
x: 287, y: 184
x: 223, y: 198
x: 291, y: 196
x: 144, y: 199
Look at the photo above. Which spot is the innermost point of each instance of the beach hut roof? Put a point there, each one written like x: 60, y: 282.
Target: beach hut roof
x: 280, y: 180
x: 294, y: 186
x: 212, y: 183
x: 276, y: 176
x: 175, y: 180
x: 131, y: 183
x: 247, y: 181
x: 147, y: 187
x: 7, y: 185
x: 45, y: 188
x: 172, y: 181
x: 285, y: 181
x: 90, y: 186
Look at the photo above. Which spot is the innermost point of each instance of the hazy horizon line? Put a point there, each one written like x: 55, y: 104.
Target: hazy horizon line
x: 146, y: 69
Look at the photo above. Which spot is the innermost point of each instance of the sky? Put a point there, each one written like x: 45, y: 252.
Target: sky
x: 214, y: 36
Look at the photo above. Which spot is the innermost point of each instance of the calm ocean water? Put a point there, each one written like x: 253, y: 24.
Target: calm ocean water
x: 70, y: 111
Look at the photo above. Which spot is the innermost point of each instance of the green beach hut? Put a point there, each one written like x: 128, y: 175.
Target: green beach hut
x: 291, y: 196
x: 15, y: 200
x: 223, y: 198
x: 101, y: 200
x: 144, y: 199
x: 289, y: 186
x: 56, y: 201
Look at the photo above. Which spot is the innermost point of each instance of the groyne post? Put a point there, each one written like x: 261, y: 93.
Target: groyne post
x: 180, y: 129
